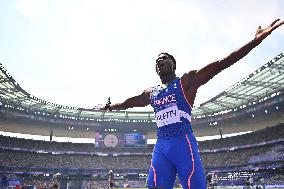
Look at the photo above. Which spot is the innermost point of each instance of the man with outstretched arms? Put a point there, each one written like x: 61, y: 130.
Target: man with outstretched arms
x: 176, y: 150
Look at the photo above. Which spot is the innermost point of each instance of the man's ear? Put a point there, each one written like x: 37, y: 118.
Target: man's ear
x: 173, y: 66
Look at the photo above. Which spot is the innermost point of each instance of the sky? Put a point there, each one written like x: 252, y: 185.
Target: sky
x: 80, y: 52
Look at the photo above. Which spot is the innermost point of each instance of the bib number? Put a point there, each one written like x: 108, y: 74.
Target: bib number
x: 167, y: 116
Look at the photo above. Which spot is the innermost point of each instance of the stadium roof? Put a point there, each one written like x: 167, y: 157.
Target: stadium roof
x: 267, y: 81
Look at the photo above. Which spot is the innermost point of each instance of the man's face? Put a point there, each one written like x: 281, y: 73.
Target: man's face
x: 164, y: 65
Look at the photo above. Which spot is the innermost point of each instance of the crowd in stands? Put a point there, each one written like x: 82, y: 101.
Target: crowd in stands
x: 40, y: 183
x: 95, y: 184
x: 11, y: 158
x: 22, y: 153
x: 101, y: 184
x: 30, y: 153
x: 264, y: 135
x: 276, y: 180
x: 234, y: 157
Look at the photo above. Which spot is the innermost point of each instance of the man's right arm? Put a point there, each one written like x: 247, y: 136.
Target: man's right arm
x: 141, y: 100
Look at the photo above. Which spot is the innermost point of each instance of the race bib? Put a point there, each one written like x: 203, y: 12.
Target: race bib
x: 167, y: 116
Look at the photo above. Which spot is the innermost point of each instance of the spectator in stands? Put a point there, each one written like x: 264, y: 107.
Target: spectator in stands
x: 55, y: 186
x: 111, y: 179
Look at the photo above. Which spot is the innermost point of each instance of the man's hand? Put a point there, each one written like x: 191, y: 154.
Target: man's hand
x: 103, y: 107
x: 263, y: 33
x: 107, y: 106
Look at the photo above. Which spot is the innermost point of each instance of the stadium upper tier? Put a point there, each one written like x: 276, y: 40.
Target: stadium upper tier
x: 267, y: 81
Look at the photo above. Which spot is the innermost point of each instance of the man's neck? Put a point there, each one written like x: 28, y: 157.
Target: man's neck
x: 167, y: 79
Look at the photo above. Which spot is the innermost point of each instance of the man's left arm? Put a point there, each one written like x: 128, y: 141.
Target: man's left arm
x: 203, y: 75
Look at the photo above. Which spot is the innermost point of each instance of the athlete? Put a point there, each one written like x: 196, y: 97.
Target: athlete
x: 176, y: 150
x: 110, y: 179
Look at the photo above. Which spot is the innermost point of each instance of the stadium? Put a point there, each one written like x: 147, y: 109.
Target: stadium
x: 245, y: 123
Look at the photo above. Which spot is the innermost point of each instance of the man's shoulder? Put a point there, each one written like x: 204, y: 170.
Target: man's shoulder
x: 189, y: 74
x: 189, y: 78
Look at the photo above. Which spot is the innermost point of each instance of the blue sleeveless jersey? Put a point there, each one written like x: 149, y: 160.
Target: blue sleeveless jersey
x: 172, y: 111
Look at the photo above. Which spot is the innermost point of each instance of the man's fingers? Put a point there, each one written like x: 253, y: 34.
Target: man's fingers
x: 272, y: 24
x: 278, y: 24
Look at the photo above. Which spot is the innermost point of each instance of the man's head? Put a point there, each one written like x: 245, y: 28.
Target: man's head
x: 165, y: 64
